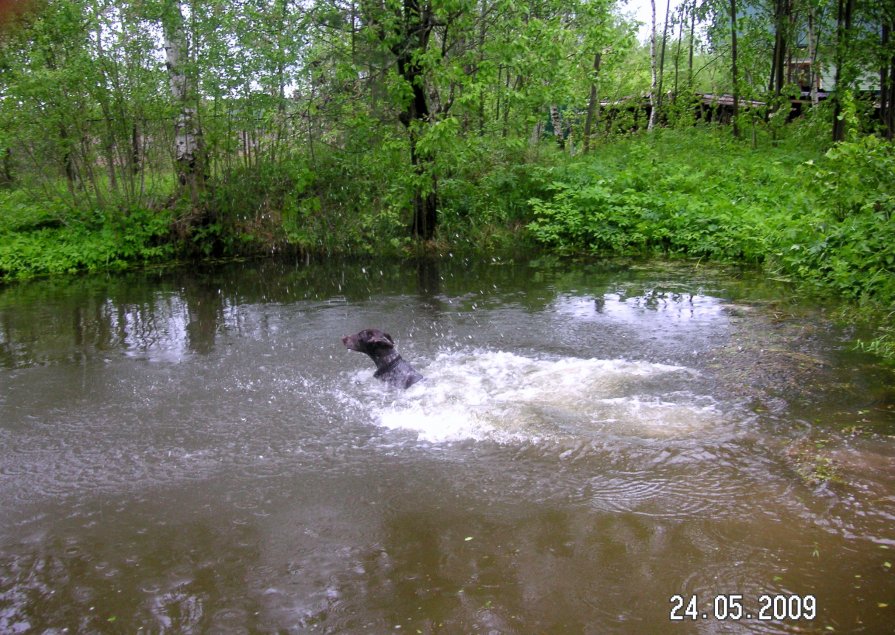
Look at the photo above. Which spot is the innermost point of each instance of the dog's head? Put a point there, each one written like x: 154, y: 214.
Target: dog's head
x: 369, y: 341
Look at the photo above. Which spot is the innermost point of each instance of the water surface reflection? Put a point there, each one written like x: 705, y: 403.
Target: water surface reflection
x: 196, y: 451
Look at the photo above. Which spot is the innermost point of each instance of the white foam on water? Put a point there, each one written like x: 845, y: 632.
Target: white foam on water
x: 501, y: 396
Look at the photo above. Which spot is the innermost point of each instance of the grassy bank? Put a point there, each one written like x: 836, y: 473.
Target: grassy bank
x: 820, y: 218
x: 45, y: 237
x: 816, y: 217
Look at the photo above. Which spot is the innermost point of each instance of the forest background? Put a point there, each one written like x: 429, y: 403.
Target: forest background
x: 149, y: 131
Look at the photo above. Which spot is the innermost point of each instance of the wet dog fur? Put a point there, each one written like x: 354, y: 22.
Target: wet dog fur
x: 390, y: 366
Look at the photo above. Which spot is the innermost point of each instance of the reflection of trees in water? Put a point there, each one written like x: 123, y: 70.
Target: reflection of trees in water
x: 183, y: 311
x: 132, y: 314
x: 428, y: 276
x: 205, y: 304
x: 428, y: 290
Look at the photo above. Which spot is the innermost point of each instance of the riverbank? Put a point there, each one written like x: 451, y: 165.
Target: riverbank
x: 820, y: 218
x: 803, y: 214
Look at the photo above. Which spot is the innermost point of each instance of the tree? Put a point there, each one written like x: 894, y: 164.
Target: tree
x: 660, y: 88
x: 189, y: 157
x: 653, y: 97
x: 604, y: 37
x: 812, y: 32
x: 405, y: 28
x: 782, y: 20
x: 887, y: 70
x: 592, y: 102
x: 844, y: 13
x: 733, y: 69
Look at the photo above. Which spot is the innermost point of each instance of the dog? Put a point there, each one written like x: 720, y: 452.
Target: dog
x: 390, y: 367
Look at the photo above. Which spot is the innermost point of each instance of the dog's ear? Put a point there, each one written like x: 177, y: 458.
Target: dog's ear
x: 378, y: 338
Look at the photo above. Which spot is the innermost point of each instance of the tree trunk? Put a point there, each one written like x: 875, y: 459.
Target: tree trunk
x: 778, y: 63
x: 692, y: 35
x: 733, y: 69
x: 556, y: 120
x: 281, y: 117
x: 677, y: 53
x: 425, y: 202
x: 135, y: 154
x: 108, y: 144
x: 408, y: 40
x: 593, y: 103
x: 517, y: 86
x: 481, y: 58
x: 425, y: 199
x: 812, y: 56
x: 890, y: 111
x: 6, y: 177
x: 887, y: 79
x: 660, y: 90
x: 88, y: 161
x: 843, y: 32
x: 653, y: 84
x: 188, y: 147
x: 68, y: 163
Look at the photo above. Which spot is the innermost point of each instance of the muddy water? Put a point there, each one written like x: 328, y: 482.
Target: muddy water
x: 593, y: 448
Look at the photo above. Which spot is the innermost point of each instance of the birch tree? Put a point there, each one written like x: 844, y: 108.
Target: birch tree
x: 188, y: 147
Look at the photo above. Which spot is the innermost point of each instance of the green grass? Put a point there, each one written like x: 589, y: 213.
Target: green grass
x: 820, y: 217
x: 816, y: 216
x: 46, y: 238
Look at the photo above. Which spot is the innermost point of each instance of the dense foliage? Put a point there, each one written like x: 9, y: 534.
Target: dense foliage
x: 818, y: 217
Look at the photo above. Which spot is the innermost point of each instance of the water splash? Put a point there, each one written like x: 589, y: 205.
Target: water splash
x: 494, y: 395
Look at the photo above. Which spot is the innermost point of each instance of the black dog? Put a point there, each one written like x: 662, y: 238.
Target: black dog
x: 390, y: 367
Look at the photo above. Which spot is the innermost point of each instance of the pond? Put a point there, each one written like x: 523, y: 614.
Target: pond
x: 595, y: 449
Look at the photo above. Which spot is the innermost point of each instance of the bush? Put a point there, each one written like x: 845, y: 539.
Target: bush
x: 676, y: 192
x: 31, y: 247
x: 848, y: 241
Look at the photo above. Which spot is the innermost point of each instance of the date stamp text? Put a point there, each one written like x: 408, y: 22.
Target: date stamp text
x: 734, y: 606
